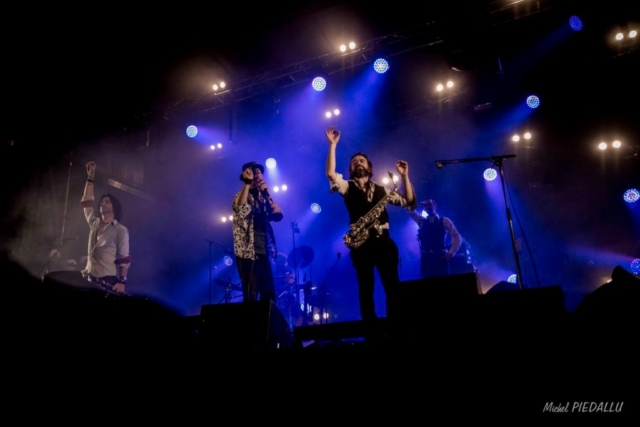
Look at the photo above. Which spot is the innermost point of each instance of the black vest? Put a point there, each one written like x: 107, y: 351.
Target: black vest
x: 358, y: 206
x: 431, y: 236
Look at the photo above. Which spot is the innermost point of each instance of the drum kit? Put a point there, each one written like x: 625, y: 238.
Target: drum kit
x: 295, y: 298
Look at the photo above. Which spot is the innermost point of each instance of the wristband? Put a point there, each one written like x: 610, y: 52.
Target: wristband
x: 89, y: 179
x: 123, y: 280
x: 247, y: 181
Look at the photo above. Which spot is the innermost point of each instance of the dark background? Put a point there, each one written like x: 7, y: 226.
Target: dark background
x: 118, y: 85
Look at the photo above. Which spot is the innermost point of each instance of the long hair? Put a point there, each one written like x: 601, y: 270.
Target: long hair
x: 368, y: 161
x: 117, y: 206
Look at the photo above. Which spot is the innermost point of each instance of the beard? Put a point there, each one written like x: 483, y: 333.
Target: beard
x: 360, y: 172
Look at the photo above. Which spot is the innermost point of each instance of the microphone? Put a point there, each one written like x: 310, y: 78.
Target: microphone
x: 265, y: 193
x: 439, y: 164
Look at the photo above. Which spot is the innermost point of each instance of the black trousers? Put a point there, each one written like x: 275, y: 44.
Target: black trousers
x: 377, y: 253
x: 434, y: 264
x: 257, y: 279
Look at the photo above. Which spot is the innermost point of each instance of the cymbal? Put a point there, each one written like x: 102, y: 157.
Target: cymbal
x: 301, y: 257
x: 227, y: 283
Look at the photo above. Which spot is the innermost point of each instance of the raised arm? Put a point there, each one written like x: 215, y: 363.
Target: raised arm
x: 247, y: 179
x: 333, y: 136
x: 88, y: 186
x: 409, y: 193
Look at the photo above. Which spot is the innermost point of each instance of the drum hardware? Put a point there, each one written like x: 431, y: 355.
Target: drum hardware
x: 294, y: 304
x: 227, y: 250
x: 229, y: 288
x: 322, y: 299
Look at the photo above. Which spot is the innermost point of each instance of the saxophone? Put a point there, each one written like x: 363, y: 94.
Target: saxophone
x: 359, y: 231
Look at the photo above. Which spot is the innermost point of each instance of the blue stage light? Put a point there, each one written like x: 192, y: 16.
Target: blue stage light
x: 192, y: 131
x: 490, y: 174
x: 381, y: 65
x: 533, y: 101
x: 319, y: 83
x: 631, y: 195
x: 575, y: 23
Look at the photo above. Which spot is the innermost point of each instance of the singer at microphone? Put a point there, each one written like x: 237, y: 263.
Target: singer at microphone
x: 253, y: 238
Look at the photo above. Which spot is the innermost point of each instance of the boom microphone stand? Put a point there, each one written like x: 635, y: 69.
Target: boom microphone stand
x: 496, y: 160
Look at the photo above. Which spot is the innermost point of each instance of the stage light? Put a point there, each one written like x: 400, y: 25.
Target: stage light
x: 276, y: 189
x: 602, y: 146
x: 329, y: 114
x: 439, y: 87
x: 224, y: 219
x: 516, y: 137
x: 192, y: 131
x: 575, y: 23
x: 319, y: 83
x: 315, y: 208
x: 270, y: 163
x: 284, y: 187
x: 381, y: 65
x: 512, y: 279
x: 228, y: 261
x: 490, y: 174
x: 632, y: 195
x: 635, y: 266
x: 616, y: 144
x: 533, y: 101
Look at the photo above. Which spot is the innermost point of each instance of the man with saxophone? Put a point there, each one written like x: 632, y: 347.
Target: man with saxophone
x: 368, y: 239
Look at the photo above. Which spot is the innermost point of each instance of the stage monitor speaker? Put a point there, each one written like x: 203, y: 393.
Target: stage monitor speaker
x: 250, y: 325
x: 504, y: 303
x: 415, y: 296
x: 418, y: 307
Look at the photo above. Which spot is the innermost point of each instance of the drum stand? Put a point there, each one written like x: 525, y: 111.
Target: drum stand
x: 289, y: 304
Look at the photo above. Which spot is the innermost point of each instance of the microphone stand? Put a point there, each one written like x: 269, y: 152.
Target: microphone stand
x: 324, y: 294
x: 66, y: 202
x: 64, y: 221
x: 295, y: 229
x: 496, y: 160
